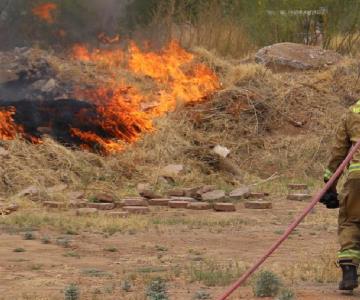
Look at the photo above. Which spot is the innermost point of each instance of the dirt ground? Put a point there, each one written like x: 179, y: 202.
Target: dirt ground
x: 192, y: 250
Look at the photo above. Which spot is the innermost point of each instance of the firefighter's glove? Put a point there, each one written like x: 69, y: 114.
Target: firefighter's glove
x: 330, y: 200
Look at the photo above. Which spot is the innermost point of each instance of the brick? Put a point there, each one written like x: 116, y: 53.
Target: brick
x: 187, y: 199
x: 258, y: 204
x: 297, y: 187
x: 226, y: 207
x: 134, y: 202
x: 87, y: 212
x: 159, y: 202
x: 178, y: 204
x: 118, y: 214
x: 54, y: 204
x: 176, y: 193
x: 299, y: 197
x: 101, y: 206
x: 198, y: 206
x: 213, y: 195
x: 258, y: 195
x: 240, y: 193
x: 137, y: 209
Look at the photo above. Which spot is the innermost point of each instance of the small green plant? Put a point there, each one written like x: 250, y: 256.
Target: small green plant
x: 201, y: 295
x: 157, y: 290
x: 72, y: 292
x: 29, y: 236
x: 72, y: 254
x: 267, y: 284
x: 286, y: 294
x: 111, y: 249
x: 126, y: 286
x: 46, y: 240
x: 19, y: 250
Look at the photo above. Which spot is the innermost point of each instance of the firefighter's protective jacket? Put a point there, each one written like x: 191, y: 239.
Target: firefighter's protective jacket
x: 348, y: 133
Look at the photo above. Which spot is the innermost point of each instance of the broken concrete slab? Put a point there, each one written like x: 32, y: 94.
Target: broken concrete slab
x: 101, y: 206
x: 136, y: 201
x: 159, y: 202
x: 258, y: 195
x: 258, y: 204
x: 187, y: 199
x: 213, y: 195
x: 299, y: 197
x: 178, y: 204
x: 240, y: 193
x: 198, y: 206
x: 224, y: 207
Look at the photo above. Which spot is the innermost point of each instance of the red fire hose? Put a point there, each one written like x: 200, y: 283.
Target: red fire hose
x: 292, y: 226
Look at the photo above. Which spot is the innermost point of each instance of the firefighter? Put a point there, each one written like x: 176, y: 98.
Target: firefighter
x: 348, y: 201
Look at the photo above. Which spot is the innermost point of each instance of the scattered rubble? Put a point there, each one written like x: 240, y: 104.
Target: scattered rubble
x: 213, y: 195
x: 134, y: 202
x: 224, y: 207
x: 178, y: 204
x: 159, y: 202
x: 240, y: 193
x: 198, y: 206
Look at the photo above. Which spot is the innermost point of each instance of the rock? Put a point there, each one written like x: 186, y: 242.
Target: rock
x: 7, y: 76
x: 258, y: 195
x: 104, y: 198
x: 292, y: 56
x: 57, y: 188
x: 137, y: 209
x: 12, y: 207
x: 204, y: 189
x: 4, y: 152
x: 143, y: 186
x: 87, y: 212
x: 29, y: 191
x: 101, y: 206
x: 178, y: 204
x: 49, y: 86
x: 54, y: 204
x: 159, y: 202
x: 299, y: 197
x: 258, y: 204
x: 225, y: 207
x: 240, y: 193
x: 118, y: 214
x: 171, y: 170
x: 191, y: 192
x: 149, y: 194
x: 221, y: 151
x: 187, y: 199
x: 176, y: 193
x: 198, y: 206
x: 213, y: 195
x: 134, y: 202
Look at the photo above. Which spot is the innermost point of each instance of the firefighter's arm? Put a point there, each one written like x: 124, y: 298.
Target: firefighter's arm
x: 340, y: 149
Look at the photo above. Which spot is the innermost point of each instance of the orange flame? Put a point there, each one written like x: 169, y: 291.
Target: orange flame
x: 44, y: 12
x: 8, y: 128
x: 176, y: 78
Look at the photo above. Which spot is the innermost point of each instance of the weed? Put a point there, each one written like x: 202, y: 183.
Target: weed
x: 201, y: 295
x: 72, y: 292
x: 29, y: 236
x: 126, y: 286
x: 286, y: 294
x: 111, y: 249
x: 19, y: 250
x: 72, y: 254
x: 95, y: 273
x: 157, y: 290
x: 161, y: 248
x: 213, y: 274
x: 267, y: 284
x: 63, y: 242
x: 46, y: 240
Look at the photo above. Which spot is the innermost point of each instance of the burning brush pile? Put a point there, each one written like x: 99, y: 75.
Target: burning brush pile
x: 98, y: 99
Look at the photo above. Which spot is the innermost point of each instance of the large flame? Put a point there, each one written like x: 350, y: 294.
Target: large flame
x: 8, y: 128
x: 45, y: 12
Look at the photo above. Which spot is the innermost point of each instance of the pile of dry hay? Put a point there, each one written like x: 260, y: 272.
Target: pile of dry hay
x: 272, y: 123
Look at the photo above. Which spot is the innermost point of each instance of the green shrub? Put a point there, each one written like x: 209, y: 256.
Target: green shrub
x: 29, y: 236
x: 201, y: 295
x: 157, y: 290
x: 267, y: 284
x: 72, y: 292
x: 286, y: 294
